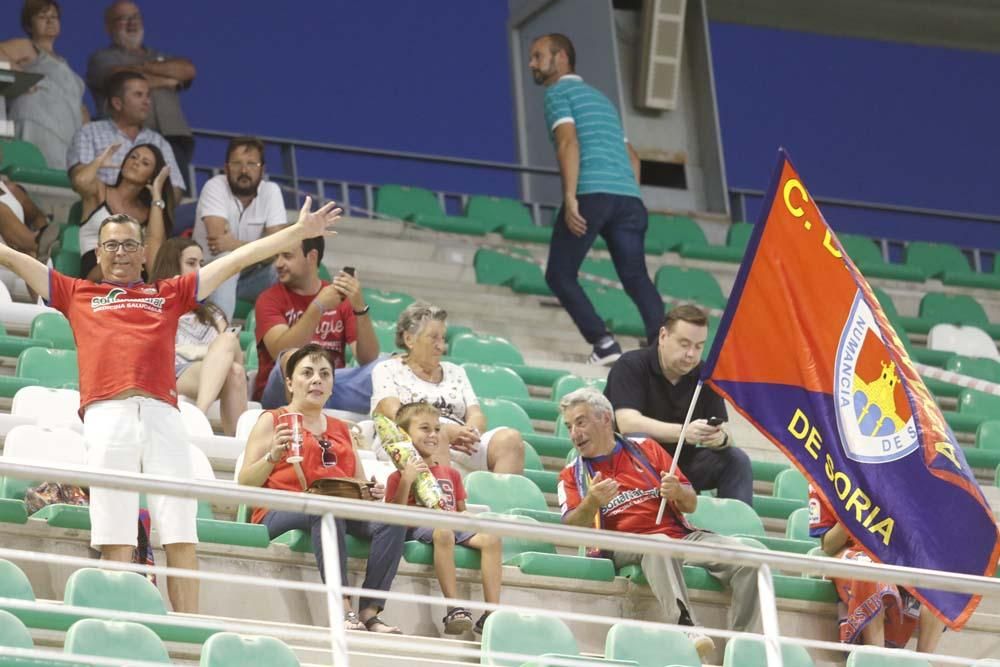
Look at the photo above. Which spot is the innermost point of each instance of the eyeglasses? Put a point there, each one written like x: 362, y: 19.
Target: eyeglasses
x: 240, y: 166
x: 130, y: 246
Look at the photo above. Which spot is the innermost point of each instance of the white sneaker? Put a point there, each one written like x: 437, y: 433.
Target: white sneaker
x: 703, y: 644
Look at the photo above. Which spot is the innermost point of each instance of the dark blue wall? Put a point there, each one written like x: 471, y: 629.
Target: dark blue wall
x: 862, y: 119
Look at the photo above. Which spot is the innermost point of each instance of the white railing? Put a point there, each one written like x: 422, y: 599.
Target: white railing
x: 328, y: 507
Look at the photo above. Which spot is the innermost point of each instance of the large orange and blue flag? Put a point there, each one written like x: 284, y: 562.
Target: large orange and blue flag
x: 805, y: 352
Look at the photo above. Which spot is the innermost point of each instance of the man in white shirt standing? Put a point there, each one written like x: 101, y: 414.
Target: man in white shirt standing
x: 236, y: 208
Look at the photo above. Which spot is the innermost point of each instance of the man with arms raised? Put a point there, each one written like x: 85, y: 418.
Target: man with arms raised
x: 616, y: 483
x: 651, y: 389
x: 124, y: 331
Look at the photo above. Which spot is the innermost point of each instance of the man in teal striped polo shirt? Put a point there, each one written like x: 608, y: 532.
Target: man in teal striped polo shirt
x: 600, y: 174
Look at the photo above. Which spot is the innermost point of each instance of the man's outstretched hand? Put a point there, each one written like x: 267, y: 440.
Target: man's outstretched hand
x: 318, y: 222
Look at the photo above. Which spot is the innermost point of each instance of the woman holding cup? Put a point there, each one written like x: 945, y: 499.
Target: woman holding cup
x: 292, y: 447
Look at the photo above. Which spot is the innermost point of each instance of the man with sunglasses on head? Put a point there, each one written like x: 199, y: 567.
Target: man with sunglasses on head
x: 235, y: 208
x: 124, y: 330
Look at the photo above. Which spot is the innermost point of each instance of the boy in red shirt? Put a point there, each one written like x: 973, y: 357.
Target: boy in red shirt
x: 422, y: 422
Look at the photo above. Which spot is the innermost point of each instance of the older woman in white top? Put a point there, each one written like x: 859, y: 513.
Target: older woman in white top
x: 420, y: 375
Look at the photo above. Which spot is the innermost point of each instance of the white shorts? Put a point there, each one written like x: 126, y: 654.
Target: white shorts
x: 478, y: 460
x: 139, y: 434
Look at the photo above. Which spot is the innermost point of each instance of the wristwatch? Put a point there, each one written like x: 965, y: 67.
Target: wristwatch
x: 160, y: 204
x: 363, y: 311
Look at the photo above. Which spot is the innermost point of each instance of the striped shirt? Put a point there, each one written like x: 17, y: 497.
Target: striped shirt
x: 604, y: 159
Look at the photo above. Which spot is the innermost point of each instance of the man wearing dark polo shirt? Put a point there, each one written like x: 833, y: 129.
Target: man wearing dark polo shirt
x: 651, y: 389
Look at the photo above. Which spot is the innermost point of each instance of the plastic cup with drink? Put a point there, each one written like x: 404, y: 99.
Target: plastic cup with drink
x: 293, y: 420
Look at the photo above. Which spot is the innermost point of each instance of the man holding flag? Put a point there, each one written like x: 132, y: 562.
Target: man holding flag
x: 844, y: 402
x: 616, y: 484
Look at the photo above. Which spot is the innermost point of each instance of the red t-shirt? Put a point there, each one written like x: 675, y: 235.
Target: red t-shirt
x: 329, y: 455
x: 635, y: 507
x: 124, y: 333
x: 449, y: 479
x: 279, y: 305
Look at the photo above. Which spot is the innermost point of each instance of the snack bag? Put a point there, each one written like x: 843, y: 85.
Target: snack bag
x: 399, y: 448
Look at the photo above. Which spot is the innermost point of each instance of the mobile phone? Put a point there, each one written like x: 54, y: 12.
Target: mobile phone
x: 349, y: 270
x: 714, y: 421
x: 234, y: 329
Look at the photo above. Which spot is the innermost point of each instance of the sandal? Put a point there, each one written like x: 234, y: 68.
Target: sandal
x: 388, y: 629
x: 481, y: 623
x: 352, y: 622
x: 458, y: 621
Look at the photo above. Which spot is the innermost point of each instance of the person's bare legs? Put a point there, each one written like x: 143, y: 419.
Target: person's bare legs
x: 931, y: 628
x: 233, y: 401
x: 491, y: 564
x: 183, y: 591
x: 216, y: 367
x: 119, y: 553
x: 444, y: 561
x: 873, y: 634
x: 506, y: 452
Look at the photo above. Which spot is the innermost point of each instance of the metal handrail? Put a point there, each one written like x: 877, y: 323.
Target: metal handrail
x: 328, y: 507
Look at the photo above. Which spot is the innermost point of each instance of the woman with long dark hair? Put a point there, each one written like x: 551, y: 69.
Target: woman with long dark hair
x: 138, y: 192
x: 208, y: 361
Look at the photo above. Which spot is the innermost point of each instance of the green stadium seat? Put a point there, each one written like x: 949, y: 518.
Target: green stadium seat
x: 862, y: 658
x: 485, y: 349
x: 242, y: 309
x: 650, y: 648
x: 501, y: 412
x: 422, y: 207
x: 974, y: 407
x: 616, y: 308
x: 24, y: 163
x: 571, y: 383
x: 750, y: 652
x: 386, y: 306
x: 977, y: 367
x: 252, y: 363
x: 790, y: 587
x: 797, y: 526
x: 736, y: 244
x: 523, y: 234
x: 674, y: 232
x: 502, y: 212
x: 105, y: 589
x: 115, y: 639
x: 523, y: 276
x: 603, y: 268
x: 53, y: 328
x: 937, y: 308
x: 690, y: 285
x: 949, y: 264
x: 14, y: 584
x: 13, y: 346
x: 988, y: 435
x: 727, y: 516
x: 501, y: 382
x: 791, y: 484
x: 867, y: 256
x: 49, y: 368
x: 14, y: 634
x: 766, y: 471
x: 514, y: 494
x: 385, y: 332
x: 228, y: 649
x: 524, y: 633
x: 67, y: 260
x: 546, y: 480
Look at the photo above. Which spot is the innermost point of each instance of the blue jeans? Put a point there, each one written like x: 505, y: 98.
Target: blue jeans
x: 352, y: 388
x: 622, y: 222
x: 383, y: 559
x: 246, y: 285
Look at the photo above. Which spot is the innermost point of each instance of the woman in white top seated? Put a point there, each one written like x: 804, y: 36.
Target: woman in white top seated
x: 420, y: 375
x: 21, y: 222
x: 208, y: 361
x: 138, y: 191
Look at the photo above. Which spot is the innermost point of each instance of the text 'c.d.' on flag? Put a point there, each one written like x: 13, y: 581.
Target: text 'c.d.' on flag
x: 806, y: 354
